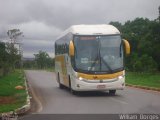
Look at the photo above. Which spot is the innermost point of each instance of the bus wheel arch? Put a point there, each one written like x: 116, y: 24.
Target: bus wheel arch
x: 112, y: 92
x: 70, y: 86
x: 59, y: 83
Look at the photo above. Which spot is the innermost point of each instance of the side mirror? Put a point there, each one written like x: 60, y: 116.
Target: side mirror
x: 127, y: 47
x: 71, y: 48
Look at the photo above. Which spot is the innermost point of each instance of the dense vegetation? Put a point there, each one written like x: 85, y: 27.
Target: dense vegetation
x: 10, y: 56
x: 41, y: 61
x: 144, y: 38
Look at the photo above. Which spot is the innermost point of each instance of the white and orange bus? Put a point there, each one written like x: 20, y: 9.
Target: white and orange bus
x: 91, y: 58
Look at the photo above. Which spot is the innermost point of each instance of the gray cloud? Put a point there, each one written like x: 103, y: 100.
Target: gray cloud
x: 43, y: 20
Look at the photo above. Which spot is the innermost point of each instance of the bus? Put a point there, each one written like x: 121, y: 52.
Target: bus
x: 91, y: 58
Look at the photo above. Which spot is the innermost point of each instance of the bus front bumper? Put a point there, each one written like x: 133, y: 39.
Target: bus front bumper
x: 99, y: 85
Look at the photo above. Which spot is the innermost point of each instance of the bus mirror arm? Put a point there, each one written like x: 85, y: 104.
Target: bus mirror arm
x: 127, y: 47
x: 71, y: 48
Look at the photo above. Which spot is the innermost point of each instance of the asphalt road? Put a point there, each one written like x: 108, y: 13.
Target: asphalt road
x: 52, y: 100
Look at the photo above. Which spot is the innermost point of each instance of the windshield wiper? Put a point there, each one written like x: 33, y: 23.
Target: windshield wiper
x: 106, y: 64
x: 98, y: 56
x: 93, y: 64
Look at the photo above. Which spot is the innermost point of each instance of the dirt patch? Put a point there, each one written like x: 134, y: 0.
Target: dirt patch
x: 7, y: 100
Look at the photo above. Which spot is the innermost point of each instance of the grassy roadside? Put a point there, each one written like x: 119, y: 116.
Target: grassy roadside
x: 51, y: 69
x: 47, y: 69
x: 143, y: 79
x: 10, y: 98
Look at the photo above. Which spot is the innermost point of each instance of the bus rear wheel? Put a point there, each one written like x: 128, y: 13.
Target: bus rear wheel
x: 112, y: 92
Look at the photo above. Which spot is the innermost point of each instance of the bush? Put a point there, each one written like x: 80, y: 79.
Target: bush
x: 144, y: 63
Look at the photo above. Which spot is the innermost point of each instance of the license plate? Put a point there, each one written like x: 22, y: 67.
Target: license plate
x: 101, y: 86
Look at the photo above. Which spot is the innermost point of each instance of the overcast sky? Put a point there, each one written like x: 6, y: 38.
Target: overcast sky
x: 42, y: 21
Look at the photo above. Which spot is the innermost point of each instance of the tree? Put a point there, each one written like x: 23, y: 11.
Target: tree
x: 15, y: 53
x: 144, y: 38
x: 43, y: 60
x: 8, y: 57
x: 13, y: 57
x: 2, y: 58
x: 144, y: 63
x: 117, y: 25
x: 14, y: 34
x: 29, y: 64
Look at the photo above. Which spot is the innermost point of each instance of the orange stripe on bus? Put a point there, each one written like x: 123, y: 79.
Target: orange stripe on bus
x: 97, y: 77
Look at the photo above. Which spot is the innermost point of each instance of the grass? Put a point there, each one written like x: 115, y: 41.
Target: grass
x: 143, y: 79
x: 50, y: 69
x: 7, y: 89
x: 47, y: 69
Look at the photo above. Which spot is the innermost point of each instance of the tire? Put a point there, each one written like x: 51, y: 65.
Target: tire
x: 112, y: 92
x: 73, y: 91
x: 59, y: 84
x: 70, y: 88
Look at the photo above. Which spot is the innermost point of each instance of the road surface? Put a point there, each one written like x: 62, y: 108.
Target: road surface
x: 52, y: 100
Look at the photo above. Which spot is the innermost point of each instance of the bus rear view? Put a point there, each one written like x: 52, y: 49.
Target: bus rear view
x: 94, y: 61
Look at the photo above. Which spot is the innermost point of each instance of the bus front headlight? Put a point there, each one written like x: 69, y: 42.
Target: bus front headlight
x: 120, y: 77
x: 80, y: 78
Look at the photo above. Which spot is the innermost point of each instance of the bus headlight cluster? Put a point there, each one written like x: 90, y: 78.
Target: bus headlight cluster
x: 120, y: 77
x: 80, y: 78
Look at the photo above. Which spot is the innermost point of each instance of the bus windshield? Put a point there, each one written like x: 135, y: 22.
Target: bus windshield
x: 97, y: 54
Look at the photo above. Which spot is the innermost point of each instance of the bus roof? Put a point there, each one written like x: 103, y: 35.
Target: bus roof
x: 102, y: 29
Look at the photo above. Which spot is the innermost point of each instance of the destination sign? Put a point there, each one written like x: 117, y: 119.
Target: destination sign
x: 88, y: 38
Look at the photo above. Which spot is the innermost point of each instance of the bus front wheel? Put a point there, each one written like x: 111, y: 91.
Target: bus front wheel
x: 112, y: 92
x: 58, y: 79
x: 70, y: 88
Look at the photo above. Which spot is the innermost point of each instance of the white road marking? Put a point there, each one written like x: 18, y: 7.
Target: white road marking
x: 40, y: 107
